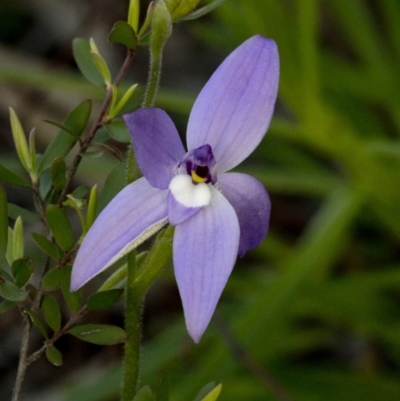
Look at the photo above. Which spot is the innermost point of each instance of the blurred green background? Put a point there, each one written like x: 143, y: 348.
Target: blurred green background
x: 314, y: 312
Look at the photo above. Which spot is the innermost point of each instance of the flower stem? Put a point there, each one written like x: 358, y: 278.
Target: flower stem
x: 134, y: 299
x: 160, y: 32
x: 153, y: 80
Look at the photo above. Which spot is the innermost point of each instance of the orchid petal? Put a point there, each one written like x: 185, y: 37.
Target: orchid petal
x: 205, y: 249
x: 235, y: 107
x: 185, y: 198
x: 137, y: 212
x: 158, y: 147
x: 252, y: 206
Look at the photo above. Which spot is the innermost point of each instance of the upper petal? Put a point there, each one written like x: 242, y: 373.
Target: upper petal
x: 235, y: 107
x: 158, y: 147
x: 205, y: 249
x: 252, y: 205
x: 139, y: 208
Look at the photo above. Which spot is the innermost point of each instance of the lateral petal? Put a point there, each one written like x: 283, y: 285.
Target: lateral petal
x: 252, y: 206
x: 205, y: 249
x: 235, y: 107
x: 158, y: 147
x: 137, y: 212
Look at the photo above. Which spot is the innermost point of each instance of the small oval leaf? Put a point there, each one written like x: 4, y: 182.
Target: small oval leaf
x: 118, y: 131
x: 72, y: 299
x: 58, y: 172
x: 8, y: 177
x: 54, y: 356
x: 124, y: 34
x: 52, y: 279
x: 37, y: 322
x: 104, y: 300
x: 14, y: 211
x: 74, y: 125
x: 22, y: 270
x: 60, y: 227
x: 51, y: 312
x: 11, y: 292
x: 81, y: 49
x: 101, y: 334
x: 46, y: 246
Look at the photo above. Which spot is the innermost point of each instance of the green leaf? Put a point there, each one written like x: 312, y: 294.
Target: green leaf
x: 80, y: 192
x: 61, y: 144
x: 93, y: 155
x: 113, y: 184
x: 10, y: 251
x: 133, y: 14
x: 54, y: 356
x: 144, y: 394
x: 46, y: 246
x: 21, y: 144
x: 60, y: 227
x: 45, y: 184
x: 203, y: 10
x: 179, y: 8
x: 51, y: 312
x: 11, y: 292
x: 104, y: 300
x: 91, y: 209
x: 158, y: 257
x: 72, y: 299
x: 102, y: 334
x: 14, y: 211
x: 58, y: 172
x: 118, y: 131
x: 6, y: 306
x: 22, y: 270
x: 18, y: 239
x: 119, y: 276
x: 3, y: 224
x: 52, y: 279
x: 204, y: 391
x: 81, y: 49
x: 124, y: 34
x: 162, y: 391
x: 102, y: 67
x: 35, y: 319
x: 11, y: 178
x: 213, y: 394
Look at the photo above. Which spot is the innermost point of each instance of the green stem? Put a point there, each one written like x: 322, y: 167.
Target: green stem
x: 134, y: 300
x: 153, y: 80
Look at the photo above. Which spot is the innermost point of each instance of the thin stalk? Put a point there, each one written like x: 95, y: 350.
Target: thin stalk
x: 133, y: 312
x: 26, y: 335
x: 23, y: 354
x: 96, y: 125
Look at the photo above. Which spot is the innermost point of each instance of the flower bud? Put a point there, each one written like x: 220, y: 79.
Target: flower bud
x: 180, y: 8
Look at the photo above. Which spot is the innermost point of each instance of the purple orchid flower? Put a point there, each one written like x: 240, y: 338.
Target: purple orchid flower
x: 217, y: 215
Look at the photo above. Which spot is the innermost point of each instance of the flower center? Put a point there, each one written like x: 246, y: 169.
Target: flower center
x: 200, y: 165
x: 199, y: 174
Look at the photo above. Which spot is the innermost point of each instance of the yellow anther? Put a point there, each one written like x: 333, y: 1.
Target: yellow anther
x: 196, y: 178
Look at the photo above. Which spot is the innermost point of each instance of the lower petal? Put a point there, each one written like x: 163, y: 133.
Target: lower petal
x: 185, y: 198
x: 205, y: 249
x: 137, y: 210
x: 252, y: 205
